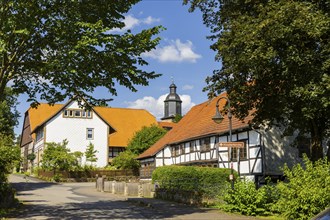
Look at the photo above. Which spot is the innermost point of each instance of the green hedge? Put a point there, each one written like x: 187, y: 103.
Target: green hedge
x: 190, y: 177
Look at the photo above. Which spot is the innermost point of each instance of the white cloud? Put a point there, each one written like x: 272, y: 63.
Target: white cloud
x: 150, y: 20
x: 176, y: 51
x: 131, y: 22
x: 187, y: 87
x: 156, y: 106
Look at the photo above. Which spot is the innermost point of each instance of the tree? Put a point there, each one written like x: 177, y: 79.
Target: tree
x: 52, y: 50
x: 145, y: 138
x: 9, y: 156
x: 91, y: 153
x: 57, y: 156
x: 8, y: 113
x: 177, y: 118
x: 126, y: 160
x: 275, y: 61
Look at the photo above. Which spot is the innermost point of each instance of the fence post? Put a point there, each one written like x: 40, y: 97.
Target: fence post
x: 102, y: 183
x: 96, y: 182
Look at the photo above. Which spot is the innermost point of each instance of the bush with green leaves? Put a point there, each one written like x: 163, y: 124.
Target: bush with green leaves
x: 57, y: 156
x: 126, y: 160
x: 9, y: 157
x: 246, y: 199
x: 191, y: 178
x: 307, y: 190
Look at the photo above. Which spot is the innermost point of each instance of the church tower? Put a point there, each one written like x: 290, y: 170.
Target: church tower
x: 172, y: 104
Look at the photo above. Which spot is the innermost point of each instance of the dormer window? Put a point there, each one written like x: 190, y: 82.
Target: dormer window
x: 77, y: 113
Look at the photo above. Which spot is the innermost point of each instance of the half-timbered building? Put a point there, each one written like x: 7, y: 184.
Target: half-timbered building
x: 195, y: 141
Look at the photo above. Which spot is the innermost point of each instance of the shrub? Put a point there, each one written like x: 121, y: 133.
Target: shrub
x: 126, y: 160
x: 191, y: 178
x: 306, y: 192
x: 248, y: 200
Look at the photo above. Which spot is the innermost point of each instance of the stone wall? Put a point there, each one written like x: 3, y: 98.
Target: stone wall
x: 139, y: 189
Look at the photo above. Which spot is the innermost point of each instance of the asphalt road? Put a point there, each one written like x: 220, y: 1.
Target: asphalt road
x: 44, y: 200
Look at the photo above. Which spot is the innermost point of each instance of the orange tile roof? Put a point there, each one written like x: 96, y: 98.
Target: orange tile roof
x: 41, y: 114
x: 166, y: 124
x: 126, y: 122
x: 196, y: 123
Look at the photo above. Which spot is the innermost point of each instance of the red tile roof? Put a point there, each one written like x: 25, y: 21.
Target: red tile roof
x: 197, y: 123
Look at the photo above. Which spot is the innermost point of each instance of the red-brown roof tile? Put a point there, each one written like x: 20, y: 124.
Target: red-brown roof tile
x: 197, y: 123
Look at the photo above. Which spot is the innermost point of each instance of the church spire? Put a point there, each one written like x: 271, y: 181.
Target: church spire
x: 172, y: 103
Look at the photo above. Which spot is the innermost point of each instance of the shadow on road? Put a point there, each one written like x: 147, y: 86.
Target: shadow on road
x: 98, y: 210
x: 29, y: 186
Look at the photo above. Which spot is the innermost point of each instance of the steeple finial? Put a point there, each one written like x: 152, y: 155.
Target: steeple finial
x: 172, y: 79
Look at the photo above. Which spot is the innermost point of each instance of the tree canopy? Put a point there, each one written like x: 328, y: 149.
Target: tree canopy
x: 53, y: 50
x: 145, y: 138
x: 275, y: 58
x: 8, y: 113
x: 9, y: 156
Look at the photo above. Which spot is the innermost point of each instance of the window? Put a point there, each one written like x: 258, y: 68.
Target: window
x: 39, y: 134
x: 66, y: 113
x: 182, y: 149
x: 77, y: 113
x: 192, y: 146
x: 205, y: 144
x: 89, y: 114
x: 173, y: 151
x: 177, y: 150
x: 242, y: 153
x: 90, y: 133
x: 114, y: 151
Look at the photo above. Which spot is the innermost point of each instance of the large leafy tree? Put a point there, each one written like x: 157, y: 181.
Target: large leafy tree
x: 52, y: 50
x: 275, y: 59
x: 145, y: 138
x: 9, y: 156
x: 8, y: 113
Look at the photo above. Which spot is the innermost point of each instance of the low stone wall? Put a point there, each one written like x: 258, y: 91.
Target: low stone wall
x: 139, y: 189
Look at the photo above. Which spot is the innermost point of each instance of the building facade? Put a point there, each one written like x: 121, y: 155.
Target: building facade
x: 108, y: 129
x: 196, y: 139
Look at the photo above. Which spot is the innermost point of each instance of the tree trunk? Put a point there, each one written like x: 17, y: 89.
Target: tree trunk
x: 316, y: 145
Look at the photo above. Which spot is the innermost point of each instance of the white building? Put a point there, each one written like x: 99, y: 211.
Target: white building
x: 108, y: 129
x: 195, y: 141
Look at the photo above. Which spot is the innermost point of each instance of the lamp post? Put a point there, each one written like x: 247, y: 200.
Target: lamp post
x: 217, y: 118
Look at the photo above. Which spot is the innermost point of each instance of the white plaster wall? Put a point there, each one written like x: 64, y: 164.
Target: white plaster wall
x: 224, y: 155
x: 244, y: 167
x: 242, y: 135
x: 168, y: 162
x: 258, y: 166
x: 159, y: 162
x: 167, y: 152
x: 74, y: 130
x: 254, y: 152
x: 254, y: 138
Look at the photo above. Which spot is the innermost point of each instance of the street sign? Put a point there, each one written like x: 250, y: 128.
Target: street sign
x: 232, y: 144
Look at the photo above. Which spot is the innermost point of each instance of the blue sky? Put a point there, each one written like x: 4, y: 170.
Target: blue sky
x: 184, y: 53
